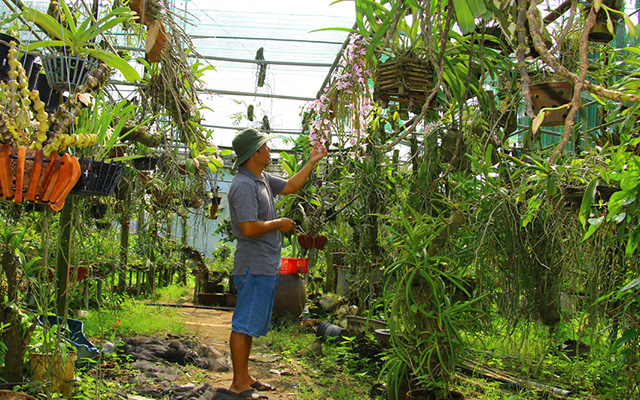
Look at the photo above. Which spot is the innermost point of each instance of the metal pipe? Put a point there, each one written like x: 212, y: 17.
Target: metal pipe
x: 258, y: 38
x: 253, y: 61
x: 267, y: 95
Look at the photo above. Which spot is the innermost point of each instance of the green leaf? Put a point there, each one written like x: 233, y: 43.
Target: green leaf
x: 466, y: 20
x: 630, y: 25
x: 610, y: 25
x: 594, y: 224
x: 615, y: 203
x: 587, y: 202
x: 627, y: 336
x: 116, y: 62
x: 477, y: 7
x: 631, y: 285
x: 49, y: 25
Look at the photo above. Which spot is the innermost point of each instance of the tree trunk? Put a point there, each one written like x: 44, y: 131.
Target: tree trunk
x: 63, y: 255
x: 125, y: 219
x: 14, y: 337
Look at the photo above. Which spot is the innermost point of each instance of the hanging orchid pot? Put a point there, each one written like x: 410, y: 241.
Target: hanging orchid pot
x: 98, y: 178
x: 550, y: 95
x: 67, y: 72
x: 404, y: 79
x: 599, y: 33
x: 307, y: 241
x: 146, y: 163
x: 25, y: 174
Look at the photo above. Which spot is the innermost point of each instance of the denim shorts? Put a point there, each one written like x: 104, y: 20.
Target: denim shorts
x: 252, y: 315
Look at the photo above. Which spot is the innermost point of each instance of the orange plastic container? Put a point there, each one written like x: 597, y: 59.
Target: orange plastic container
x: 294, y: 266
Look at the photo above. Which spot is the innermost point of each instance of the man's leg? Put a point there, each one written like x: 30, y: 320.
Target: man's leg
x: 240, y: 345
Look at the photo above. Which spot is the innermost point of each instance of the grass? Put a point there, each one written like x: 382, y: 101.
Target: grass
x: 174, y: 294
x: 133, y: 318
x: 344, y: 371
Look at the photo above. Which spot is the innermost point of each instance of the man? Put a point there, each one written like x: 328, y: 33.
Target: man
x: 257, y: 260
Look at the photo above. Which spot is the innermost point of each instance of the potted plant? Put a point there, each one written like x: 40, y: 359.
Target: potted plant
x: 52, y: 361
x: 78, y: 42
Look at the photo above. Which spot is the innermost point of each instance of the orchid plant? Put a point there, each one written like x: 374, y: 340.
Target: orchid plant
x: 345, y: 106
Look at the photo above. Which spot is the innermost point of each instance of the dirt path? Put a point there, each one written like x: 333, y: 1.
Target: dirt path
x: 213, y: 328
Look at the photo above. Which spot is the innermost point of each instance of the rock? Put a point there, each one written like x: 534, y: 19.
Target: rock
x: 314, y: 349
x: 327, y: 302
x: 575, y: 348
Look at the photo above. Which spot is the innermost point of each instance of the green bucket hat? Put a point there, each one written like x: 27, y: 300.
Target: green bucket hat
x: 246, y: 143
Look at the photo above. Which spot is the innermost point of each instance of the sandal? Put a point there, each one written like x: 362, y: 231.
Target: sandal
x: 262, y: 387
x: 249, y: 394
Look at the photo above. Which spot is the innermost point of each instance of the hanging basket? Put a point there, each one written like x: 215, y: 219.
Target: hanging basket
x: 25, y: 174
x: 146, y: 163
x: 98, y: 178
x: 403, y: 79
x: 67, y: 72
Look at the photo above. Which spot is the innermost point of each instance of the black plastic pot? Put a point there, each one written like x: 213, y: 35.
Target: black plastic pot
x: 98, y: 178
x: 329, y: 332
x: 31, y: 68
x: 4, y: 52
x: 51, y: 98
x: 145, y: 163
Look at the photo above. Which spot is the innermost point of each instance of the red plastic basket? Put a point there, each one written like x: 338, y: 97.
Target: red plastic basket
x: 294, y: 266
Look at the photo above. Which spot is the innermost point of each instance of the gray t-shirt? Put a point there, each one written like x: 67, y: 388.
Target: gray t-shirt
x: 252, y: 199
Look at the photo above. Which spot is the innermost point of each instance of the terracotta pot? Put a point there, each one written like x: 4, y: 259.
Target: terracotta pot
x: 117, y: 151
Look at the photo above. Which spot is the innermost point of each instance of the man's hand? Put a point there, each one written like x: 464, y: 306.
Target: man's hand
x: 285, y: 225
x: 295, y: 182
x: 261, y: 228
x: 317, y: 153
